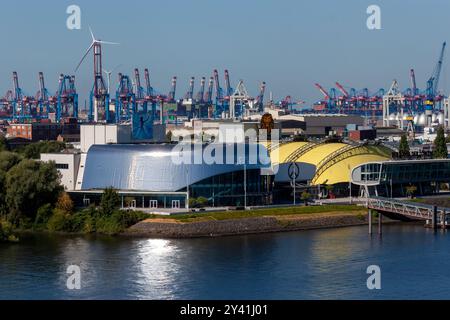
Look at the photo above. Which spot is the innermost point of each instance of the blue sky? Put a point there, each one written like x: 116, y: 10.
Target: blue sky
x: 290, y: 44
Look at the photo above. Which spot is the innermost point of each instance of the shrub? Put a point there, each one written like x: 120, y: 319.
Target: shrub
x: 192, y: 202
x: 6, y: 232
x: 43, y: 215
x: 64, y: 203
x: 202, y: 202
x: 110, y: 201
x: 59, y: 222
x: 305, y: 196
x: 84, y: 221
x: 118, y: 221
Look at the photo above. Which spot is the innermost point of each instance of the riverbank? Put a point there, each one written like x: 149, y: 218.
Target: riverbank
x: 251, y: 222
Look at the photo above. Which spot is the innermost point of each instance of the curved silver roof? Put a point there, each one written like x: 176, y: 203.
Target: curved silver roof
x: 152, y: 167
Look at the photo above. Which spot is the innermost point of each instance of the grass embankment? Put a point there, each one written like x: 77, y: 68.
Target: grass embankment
x: 283, y: 211
x: 434, y: 201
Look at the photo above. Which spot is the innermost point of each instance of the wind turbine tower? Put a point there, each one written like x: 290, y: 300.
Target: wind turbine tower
x: 99, y: 98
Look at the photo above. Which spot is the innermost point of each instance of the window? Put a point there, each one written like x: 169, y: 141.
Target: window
x: 62, y: 166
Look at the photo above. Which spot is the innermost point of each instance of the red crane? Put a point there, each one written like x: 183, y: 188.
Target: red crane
x: 324, y: 92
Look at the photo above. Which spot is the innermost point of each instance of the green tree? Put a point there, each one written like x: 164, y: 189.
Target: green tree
x: 411, y: 191
x: 440, y: 147
x: 7, y: 161
x: 3, y: 143
x: 202, y: 202
x: 29, y: 185
x: 306, y: 196
x: 34, y: 150
x: 109, y: 202
x: 403, y: 149
x: 43, y: 215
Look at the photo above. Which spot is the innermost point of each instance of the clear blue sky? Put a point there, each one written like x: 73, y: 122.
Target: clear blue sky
x: 290, y: 44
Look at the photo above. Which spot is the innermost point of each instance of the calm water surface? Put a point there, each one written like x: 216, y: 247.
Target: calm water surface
x: 320, y: 264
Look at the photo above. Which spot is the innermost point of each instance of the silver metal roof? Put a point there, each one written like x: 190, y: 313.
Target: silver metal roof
x: 152, y: 167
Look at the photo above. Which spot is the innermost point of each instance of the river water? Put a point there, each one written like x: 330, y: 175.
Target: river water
x: 318, y: 264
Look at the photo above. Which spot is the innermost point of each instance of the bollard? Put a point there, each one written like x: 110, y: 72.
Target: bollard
x: 444, y: 220
x: 434, y: 218
x: 370, y: 221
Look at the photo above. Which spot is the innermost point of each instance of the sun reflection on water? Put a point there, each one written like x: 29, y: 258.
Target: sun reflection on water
x: 158, y: 266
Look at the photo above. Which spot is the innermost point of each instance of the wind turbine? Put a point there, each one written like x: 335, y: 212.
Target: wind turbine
x: 108, y: 75
x: 99, y: 94
x: 95, y: 42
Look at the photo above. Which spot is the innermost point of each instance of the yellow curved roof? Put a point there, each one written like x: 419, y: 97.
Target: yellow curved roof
x: 280, y: 154
x: 316, y: 155
x: 340, y: 172
x: 334, y: 169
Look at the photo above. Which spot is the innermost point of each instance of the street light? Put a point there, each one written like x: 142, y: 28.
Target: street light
x: 245, y: 181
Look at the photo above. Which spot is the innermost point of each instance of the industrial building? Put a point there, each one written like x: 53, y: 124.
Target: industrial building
x: 43, y: 130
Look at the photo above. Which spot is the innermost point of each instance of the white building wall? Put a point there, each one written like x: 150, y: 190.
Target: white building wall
x: 80, y: 175
x: 92, y: 134
x: 68, y: 165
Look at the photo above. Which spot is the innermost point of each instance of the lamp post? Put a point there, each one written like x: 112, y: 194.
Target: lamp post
x: 187, y: 188
x: 350, y: 187
x: 245, y: 184
x: 245, y: 180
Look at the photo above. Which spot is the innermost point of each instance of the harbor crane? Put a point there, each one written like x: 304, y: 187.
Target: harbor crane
x: 66, y: 98
x: 433, y: 84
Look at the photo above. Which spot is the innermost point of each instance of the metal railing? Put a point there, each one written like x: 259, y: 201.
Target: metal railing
x: 405, y: 208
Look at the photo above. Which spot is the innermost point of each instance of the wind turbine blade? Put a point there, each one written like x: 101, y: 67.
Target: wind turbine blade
x: 106, y: 42
x: 118, y: 66
x: 92, y: 34
x: 84, y: 57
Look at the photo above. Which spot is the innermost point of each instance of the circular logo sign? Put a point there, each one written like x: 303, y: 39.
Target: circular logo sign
x: 294, y: 171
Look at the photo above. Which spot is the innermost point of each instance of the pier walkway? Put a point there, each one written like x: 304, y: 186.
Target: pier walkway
x: 435, y: 217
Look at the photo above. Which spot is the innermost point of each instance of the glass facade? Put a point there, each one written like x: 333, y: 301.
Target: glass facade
x: 438, y: 171
x: 370, y: 172
x: 392, y: 178
x: 229, y: 190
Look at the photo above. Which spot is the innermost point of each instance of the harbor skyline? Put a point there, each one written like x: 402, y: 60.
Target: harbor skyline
x: 290, y: 45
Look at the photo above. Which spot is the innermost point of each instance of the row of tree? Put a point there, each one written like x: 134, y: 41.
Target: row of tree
x: 440, y: 146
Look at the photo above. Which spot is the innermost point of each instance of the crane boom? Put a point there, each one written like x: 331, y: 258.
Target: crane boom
x: 173, y: 89
x: 201, y: 93
x: 413, y: 82
x: 229, y: 91
x: 341, y: 89
x: 148, y: 84
x: 324, y: 92
x: 439, y: 68
x: 190, y: 93
x: 208, y: 96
